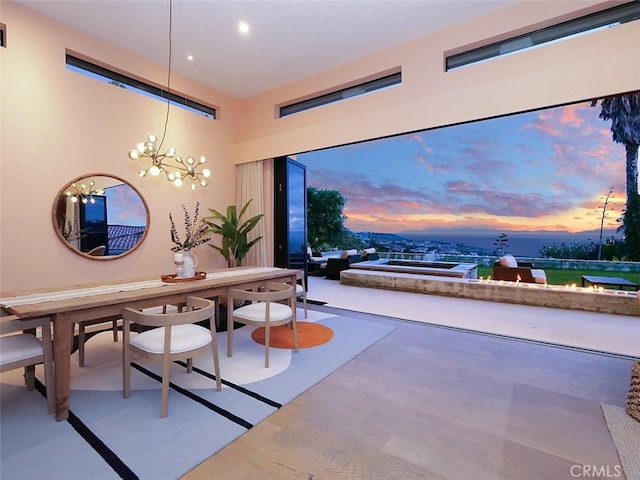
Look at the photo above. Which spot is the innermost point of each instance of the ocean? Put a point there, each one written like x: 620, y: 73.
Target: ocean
x: 524, y: 244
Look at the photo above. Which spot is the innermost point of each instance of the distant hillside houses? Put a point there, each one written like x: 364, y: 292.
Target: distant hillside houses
x: 391, y: 242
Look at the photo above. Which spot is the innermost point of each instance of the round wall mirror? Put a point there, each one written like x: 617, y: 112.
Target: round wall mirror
x: 100, y: 216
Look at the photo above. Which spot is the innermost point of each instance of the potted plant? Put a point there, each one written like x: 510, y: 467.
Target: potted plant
x: 234, y: 231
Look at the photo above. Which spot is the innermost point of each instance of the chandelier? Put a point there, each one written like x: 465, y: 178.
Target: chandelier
x: 83, y: 193
x: 176, y: 169
x: 187, y: 169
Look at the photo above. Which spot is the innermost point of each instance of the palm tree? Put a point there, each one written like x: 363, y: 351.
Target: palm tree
x: 624, y: 113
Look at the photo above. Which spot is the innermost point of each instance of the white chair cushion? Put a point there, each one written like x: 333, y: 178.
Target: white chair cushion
x: 369, y: 250
x: 256, y: 312
x: 183, y: 338
x: 299, y: 289
x: 539, y: 275
x: 14, y: 348
x: 508, y: 261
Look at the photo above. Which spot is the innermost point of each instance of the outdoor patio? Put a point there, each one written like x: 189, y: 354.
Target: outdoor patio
x: 594, y: 331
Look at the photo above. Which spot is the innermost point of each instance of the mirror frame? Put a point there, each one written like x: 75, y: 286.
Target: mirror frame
x: 56, y: 228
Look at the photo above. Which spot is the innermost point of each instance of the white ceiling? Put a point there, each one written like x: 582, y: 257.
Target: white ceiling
x: 289, y: 40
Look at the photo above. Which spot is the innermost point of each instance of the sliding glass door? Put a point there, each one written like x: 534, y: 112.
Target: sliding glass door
x: 290, y: 218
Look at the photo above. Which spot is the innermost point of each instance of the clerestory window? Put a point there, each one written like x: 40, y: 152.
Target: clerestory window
x: 611, y: 17
x: 342, y: 94
x: 114, y: 78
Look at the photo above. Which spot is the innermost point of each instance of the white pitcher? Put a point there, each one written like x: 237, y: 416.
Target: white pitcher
x: 190, y: 264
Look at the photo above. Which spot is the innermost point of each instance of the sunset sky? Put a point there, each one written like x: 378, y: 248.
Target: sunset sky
x: 543, y: 170
x: 124, y: 206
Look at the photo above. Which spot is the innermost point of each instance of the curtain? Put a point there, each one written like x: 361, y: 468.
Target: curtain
x: 250, y: 187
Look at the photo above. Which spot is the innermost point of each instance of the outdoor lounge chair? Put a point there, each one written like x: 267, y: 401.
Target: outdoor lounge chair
x: 336, y: 265
x: 510, y: 270
x: 369, y: 254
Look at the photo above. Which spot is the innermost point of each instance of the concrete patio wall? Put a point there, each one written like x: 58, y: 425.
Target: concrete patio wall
x: 576, y: 298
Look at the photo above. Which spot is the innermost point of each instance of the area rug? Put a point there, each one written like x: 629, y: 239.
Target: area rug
x: 108, y: 437
x: 625, y: 432
x: 309, y: 335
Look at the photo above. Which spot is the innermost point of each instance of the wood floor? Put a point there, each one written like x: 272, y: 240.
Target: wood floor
x: 435, y: 403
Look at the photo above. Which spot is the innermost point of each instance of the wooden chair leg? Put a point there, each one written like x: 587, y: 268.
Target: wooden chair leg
x: 303, y: 296
x: 30, y: 376
x: 166, y: 370
x: 229, y: 329
x: 82, y: 338
x: 294, y: 324
x: 126, y: 360
x: 48, y: 367
x: 216, y: 361
x: 115, y: 331
x: 267, y: 338
x: 304, y: 302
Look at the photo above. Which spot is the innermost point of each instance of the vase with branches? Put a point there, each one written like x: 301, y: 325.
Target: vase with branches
x: 195, y: 234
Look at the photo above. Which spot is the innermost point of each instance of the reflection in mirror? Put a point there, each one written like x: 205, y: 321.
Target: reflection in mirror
x: 100, y: 216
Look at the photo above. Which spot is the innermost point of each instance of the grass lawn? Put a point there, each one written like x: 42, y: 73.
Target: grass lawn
x: 559, y: 276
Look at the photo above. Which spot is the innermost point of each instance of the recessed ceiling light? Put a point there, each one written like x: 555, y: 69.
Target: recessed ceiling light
x: 243, y: 27
x: 190, y: 58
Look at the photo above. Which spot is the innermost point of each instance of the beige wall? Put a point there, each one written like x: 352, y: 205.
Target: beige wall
x: 57, y: 124
x: 582, y: 68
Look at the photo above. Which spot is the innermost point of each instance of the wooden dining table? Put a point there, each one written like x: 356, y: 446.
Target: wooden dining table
x: 66, y: 307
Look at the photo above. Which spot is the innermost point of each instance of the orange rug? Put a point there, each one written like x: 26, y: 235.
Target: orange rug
x: 309, y: 335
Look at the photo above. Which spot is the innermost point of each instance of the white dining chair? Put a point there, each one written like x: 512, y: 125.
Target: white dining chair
x: 174, y: 337
x: 265, y: 310
x: 20, y: 348
x: 82, y: 331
